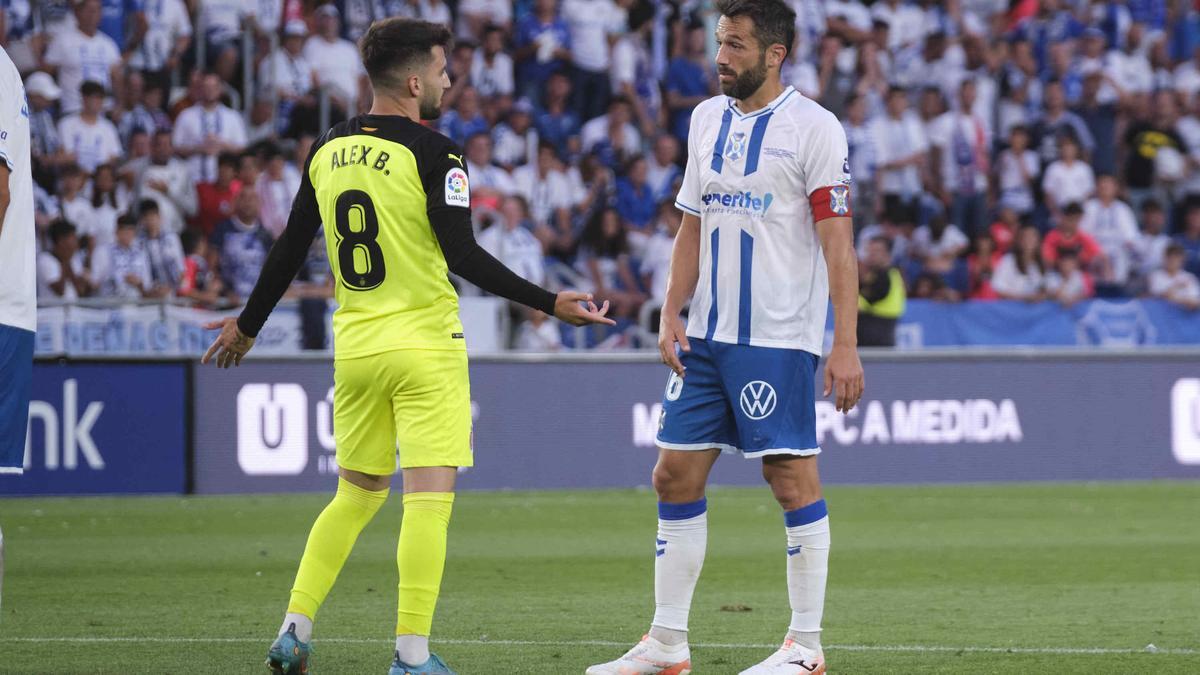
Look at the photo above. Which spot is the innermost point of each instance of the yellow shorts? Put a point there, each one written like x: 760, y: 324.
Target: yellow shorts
x: 417, y: 401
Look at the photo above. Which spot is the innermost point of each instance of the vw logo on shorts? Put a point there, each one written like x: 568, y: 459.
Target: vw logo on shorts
x: 758, y: 399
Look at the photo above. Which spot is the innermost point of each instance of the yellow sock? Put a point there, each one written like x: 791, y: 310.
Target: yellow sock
x: 421, y: 556
x: 329, y: 543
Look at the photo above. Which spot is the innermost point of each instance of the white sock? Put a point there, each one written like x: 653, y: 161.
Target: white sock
x: 303, y: 626
x: 807, y: 570
x: 682, y: 539
x: 412, y: 649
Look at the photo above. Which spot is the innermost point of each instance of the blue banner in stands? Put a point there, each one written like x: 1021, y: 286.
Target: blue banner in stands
x: 1103, y: 323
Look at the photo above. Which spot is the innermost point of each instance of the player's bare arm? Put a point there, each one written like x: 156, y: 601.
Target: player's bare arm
x: 843, y: 370
x: 681, y: 283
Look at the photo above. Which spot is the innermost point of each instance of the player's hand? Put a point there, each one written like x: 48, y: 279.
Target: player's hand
x: 230, y: 346
x: 578, y: 309
x: 844, y: 376
x: 670, y: 332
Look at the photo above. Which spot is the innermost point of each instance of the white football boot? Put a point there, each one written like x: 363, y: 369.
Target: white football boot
x: 648, y: 657
x: 791, y: 659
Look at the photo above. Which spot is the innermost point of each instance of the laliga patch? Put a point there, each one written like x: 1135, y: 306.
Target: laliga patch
x: 839, y: 200
x: 458, y: 190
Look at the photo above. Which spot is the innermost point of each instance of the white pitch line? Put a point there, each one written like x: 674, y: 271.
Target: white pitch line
x: 609, y: 643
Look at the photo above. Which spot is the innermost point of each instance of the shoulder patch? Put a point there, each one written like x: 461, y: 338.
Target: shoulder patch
x: 458, y: 190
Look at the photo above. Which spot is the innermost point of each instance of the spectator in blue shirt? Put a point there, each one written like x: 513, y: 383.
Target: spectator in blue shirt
x: 238, y: 246
x: 1190, y: 239
x: 689, y: 82
x: 465, y: 120
x: 543, y: 47
x: 124, y: 21
x: 557, y: 122
x: 636, y: 202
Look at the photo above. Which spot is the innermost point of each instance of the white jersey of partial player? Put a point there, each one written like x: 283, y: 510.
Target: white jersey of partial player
x: 18, y: 289
x: 749, y: 178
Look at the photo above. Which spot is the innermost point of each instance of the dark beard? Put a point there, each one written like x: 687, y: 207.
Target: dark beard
x: 430, y: 109
x: 745, y: 84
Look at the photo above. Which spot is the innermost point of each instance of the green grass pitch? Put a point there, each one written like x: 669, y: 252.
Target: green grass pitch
x: 1046, y: 578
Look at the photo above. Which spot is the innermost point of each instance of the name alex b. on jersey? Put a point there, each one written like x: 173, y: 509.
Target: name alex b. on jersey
x: 359, y: 155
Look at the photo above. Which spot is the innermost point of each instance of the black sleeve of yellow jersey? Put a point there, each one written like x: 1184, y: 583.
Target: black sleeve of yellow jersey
x: 452, y: 226
x: 287, y: 255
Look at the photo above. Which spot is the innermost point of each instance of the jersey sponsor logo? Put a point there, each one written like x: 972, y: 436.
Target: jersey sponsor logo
x: 839, y: 200
x: 458, y: 189
x: 758, y: 399
x: 779, y: 152
x: 737, y: 203
x: 735, y: 148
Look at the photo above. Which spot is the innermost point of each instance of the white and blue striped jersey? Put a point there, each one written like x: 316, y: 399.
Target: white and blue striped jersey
x: 759, y: 183
x: 18, y: 294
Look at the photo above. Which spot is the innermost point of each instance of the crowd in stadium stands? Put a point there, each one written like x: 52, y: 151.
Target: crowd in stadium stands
x: 1022, y: 150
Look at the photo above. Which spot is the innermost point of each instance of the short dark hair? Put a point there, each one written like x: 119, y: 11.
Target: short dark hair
x: 229, y: 159
x: 1073, y: 209
x: 189, y: 240
x: 774, y: 21
x: 126, y: 220
x: 91, y: 88
x: 147, y: 206
x: 60, y: 229
x: 1174, y: 249
x: 886, y: 241
x: 394, y: 44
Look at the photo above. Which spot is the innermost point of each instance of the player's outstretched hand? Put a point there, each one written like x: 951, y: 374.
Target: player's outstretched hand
x: 230, y: 346
x: 578, y: 309
x: 670, y: 332
x: 844, y: 375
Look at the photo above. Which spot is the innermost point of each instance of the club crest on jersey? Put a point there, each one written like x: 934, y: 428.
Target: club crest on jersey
x: 839, y: 200
x: 735, y: 148
x: 458, y: 189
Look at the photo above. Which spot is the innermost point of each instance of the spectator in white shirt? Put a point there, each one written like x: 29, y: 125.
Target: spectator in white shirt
x: 1067, y: 284
x: 164, y: 252
x: 1017, y: 168
x: 548, y: 192
x: 167, y: 180
x: 1175, y: 284
x: 76, y: 207
x: 487, y: 179
x: 962, y: 146
x: 434, y: 11
x: 612, y: 136
x: 510, y: 241
x: 1069, y: 179
x: 515, y: 140
x: 539, y: 334
x: 89, y: 136
x: 662, y: 167
x: 206, y: 130
x: 594, y: 24
x: 287, y: 75
x: 633, y: 73
x: 492, y: 68
x: 1021, y: 274
x: 337, y: 62
x: 1152, y: 242
x: 474, y: 15
x: 938, y: 239
x: 109, y: 200
x: 656, y: 258
x: 900, y: 154
x: 82, y: 54
x: 276, y: 190
x: 168, y: 35
x: 60, y: 271
x: 1112, y: 224
x: 122, y: 269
